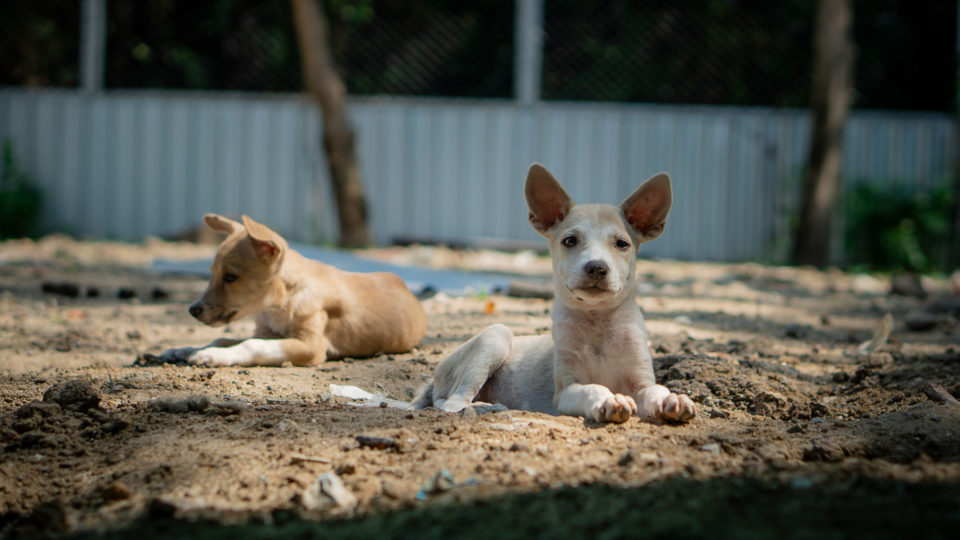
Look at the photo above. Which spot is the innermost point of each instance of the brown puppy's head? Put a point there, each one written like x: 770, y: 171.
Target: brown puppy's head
x: 593, y: 247
x: 244, y: 276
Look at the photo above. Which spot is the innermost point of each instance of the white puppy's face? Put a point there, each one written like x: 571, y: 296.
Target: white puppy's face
x: 593, y: 254
x: 593, y: 247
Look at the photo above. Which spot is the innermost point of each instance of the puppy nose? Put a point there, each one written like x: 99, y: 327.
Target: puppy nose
x: 195, y: 310
x: 596, y: 269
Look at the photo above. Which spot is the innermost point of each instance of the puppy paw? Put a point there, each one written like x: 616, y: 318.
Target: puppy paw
x: 677, y: 408
x: 169, y: 356
x: 617, y: 409
x: 211, y: 357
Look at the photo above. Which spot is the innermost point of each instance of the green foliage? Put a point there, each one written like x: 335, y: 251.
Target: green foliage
x: 744, y: 52
x: 20, y: 200
x: 893, y: 228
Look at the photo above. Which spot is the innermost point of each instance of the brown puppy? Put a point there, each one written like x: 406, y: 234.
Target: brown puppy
x: 306, y: 311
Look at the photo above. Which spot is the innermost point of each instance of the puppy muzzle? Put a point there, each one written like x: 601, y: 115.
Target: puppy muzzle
x: 211, y: 315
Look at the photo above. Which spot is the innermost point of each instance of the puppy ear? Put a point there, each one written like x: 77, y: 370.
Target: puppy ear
x: 220, y: 224
x: 647, y: 208
x: 546, y: 199
x: 267, y: 244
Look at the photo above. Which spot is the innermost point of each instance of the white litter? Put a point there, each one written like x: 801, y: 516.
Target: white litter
x: 879, y: 339
x: 363, y: 398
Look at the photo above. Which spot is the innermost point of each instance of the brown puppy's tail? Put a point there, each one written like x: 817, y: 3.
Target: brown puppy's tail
x: 424, y: 397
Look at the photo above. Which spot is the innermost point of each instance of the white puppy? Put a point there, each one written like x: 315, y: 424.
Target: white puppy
x: 596, y: 364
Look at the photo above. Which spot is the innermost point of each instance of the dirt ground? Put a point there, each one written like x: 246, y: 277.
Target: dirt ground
x: 797, y: 433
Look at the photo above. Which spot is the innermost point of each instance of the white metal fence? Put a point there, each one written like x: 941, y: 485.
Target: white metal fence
x: 129, y: 164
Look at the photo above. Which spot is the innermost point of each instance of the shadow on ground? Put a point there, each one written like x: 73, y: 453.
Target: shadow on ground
x: 731, y: 507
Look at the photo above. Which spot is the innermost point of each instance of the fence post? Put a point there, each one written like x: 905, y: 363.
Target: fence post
x: 953, y: 238
x: 528, y: 51
x: 93, y: 40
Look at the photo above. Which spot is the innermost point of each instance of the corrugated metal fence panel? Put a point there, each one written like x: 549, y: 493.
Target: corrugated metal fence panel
x: 129, y: 164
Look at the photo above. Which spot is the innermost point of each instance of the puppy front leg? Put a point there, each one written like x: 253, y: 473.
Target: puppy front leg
x: 257, y: 352
x: 596, y: 402
x: 267, y: 348
x: 183, y: 354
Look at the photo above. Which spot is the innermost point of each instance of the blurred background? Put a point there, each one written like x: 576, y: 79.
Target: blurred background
x: 127, y: 118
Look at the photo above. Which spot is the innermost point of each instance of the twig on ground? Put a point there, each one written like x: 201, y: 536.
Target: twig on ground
x: 939, y: 394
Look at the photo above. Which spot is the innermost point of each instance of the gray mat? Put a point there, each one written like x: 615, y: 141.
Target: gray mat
x: 418, y: 279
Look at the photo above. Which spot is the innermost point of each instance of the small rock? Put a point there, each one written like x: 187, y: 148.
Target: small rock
x: 920, y: 321
x: 116, y: 491
x: 766, y: 403
x: 818, y: 409
x: 300, y: 458
x: 133, y: 335
x: 519, y: 447
x: 485, y: 409
x: 69, y: 290
x: 861, y: 374
x: 822, y: 449
x: 438, y: 483
x: 125, y: 293
x: 161, y: 509
x: 179, y: 405
x: 716, y: 413
x: 907, y: 284
x: 378, y: 443
x: 230, y: 407
x: 840, y: 377
x: 347, y: 467
x: 115, y: 426
x: 796, y: 331
x: 641, y: 458
x: 426, y: 293
x: 327, y: 492
x: 159, y: 294
x: 74, y: 395
x: 713, y: 448
x: 392, y: 489
x: 796, y: 428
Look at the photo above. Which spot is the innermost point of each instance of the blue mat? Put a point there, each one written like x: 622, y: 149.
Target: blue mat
x: 418, y: 279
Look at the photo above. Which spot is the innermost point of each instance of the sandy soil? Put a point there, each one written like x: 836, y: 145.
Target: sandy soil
x: 769, y: 354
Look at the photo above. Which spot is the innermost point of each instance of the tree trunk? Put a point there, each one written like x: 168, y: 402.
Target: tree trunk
x: 833, y: 52
x: 324, y: 84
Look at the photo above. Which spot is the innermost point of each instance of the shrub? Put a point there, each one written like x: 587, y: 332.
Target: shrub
x: 20, y: 200
x: 893, y: 228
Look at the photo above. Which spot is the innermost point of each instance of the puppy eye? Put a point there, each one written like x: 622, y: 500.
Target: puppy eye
x: 229, y: 278
x: 569, y: 241
x: 622, y: 244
